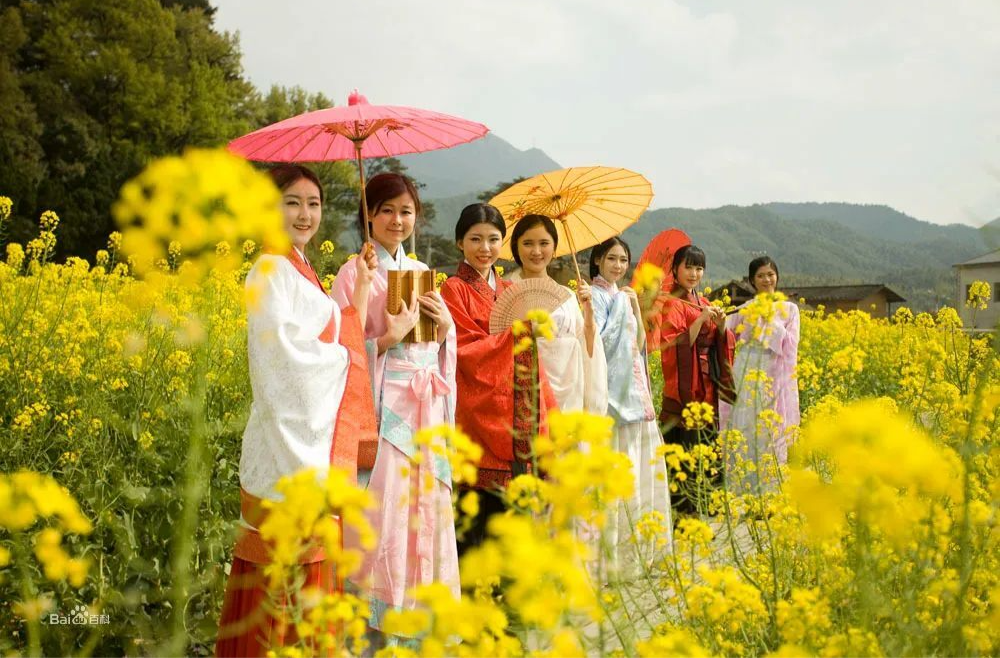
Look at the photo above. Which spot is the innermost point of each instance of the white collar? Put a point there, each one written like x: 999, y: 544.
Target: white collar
x: 388, y: 259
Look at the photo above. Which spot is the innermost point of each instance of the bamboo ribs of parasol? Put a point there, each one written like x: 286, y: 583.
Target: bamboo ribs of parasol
x: 356, y: 131
x: 588, y: 204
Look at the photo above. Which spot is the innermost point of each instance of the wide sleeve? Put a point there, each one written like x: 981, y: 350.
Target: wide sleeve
x: 789, y: 346
x: 595, y: 373
x: 601, y: 303
x: 484, y: 374
x: 342, y: 289
x: 448, y: 364
x: 673, y: 326
x: 297, y: 379
x: 342, y: 292
x: 733, y: 322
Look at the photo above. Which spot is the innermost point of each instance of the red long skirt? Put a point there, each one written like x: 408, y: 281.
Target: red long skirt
x: 249, y: 625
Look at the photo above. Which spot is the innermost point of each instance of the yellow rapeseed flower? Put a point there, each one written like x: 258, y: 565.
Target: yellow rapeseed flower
x: 49, y: 220
x: 204, y: 196
x: 647, y: 278
x: 698, y: 415
x: 979, y: 295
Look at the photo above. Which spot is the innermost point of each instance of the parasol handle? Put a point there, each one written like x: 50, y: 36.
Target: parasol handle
x: 572, y: 248
x: 364, y: 199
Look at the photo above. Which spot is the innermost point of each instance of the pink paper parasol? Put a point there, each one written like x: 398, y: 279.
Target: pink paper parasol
x: 356, y: 131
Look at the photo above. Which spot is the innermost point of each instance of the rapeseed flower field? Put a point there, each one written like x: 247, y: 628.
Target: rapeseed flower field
x: 124, y: 392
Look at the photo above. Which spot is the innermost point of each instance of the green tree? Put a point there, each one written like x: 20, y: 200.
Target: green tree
x: 500, y: 187
x: 21, y: 154
x: 93, y: 89
x: 203, y: 5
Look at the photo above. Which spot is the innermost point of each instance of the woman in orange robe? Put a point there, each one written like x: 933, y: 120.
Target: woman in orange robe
x: 696, y: 352
x: 487, y: 409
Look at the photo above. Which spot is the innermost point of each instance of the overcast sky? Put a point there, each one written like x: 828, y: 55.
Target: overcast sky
x: 867, y: 101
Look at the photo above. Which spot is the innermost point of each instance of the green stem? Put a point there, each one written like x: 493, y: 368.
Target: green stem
x: 29, y: 596
x: 195, y: 484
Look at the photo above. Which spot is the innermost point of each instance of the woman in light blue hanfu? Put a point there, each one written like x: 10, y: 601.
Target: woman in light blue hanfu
x: 630, y: 403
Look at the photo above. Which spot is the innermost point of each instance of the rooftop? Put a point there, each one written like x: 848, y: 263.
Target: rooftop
x: 991, y: 258
x: 844, y: 293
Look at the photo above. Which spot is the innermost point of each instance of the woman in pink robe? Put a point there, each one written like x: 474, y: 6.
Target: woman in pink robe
x: 414, y: 388
x: 775, y: 352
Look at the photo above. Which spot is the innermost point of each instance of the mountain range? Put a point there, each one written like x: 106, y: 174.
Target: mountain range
x: 813, y: 243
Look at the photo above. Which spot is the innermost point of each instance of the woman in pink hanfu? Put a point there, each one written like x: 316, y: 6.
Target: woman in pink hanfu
x: 414, y: 388
x: 775, y: 352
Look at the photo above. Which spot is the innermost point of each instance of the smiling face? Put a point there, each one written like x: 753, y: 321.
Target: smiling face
x: 765, y: 279
x: 535, y: 248
x: 688, y: 276
x: 481, y: 246
x: 303, y: 210
x: 614, y: 264
x: 393, y: 221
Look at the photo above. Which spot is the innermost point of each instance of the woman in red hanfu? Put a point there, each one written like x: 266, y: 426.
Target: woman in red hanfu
x: 696, y: 350
x: 311, y: 404
x: 488, y: 411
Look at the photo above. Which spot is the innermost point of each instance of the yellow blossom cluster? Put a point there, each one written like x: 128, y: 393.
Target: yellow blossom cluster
x: 536, y: 324
x: 979, y: 295
x: 207, y: 196
x: 647, y: 279
x: 27, y: 498
x: 698, y: 415
x: 874, y: 465
x: 312, y: 514
x: 449, y: 442
x: 449, y: 626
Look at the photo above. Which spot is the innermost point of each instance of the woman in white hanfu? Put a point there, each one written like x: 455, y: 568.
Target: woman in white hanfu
x: 630, y: 402
x: 573, y: 359
x: 414, y: 388
x: 310, y: 404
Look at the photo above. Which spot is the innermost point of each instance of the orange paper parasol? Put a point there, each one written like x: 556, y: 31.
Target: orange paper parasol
x: 589, y: 205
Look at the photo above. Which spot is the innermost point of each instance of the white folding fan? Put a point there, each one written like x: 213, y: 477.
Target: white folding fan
x: 526, y: 295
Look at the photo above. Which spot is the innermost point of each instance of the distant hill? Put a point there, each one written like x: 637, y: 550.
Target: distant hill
x: 475, y: 166
x: 991, y: 234
x: 813, y: 243
x: 811, y: 251
x: 876, y: 221
x: 808, y: 251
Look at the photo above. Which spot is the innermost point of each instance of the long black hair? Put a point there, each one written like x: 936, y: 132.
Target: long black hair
x: 381, y: 188
x: 527, y: 223
x: 760, y: 262
x: 479, y: 213
x: 598, y: 252
x: 690, y: 255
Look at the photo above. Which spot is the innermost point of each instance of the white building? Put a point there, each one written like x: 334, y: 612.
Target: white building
x: 982, y: 268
